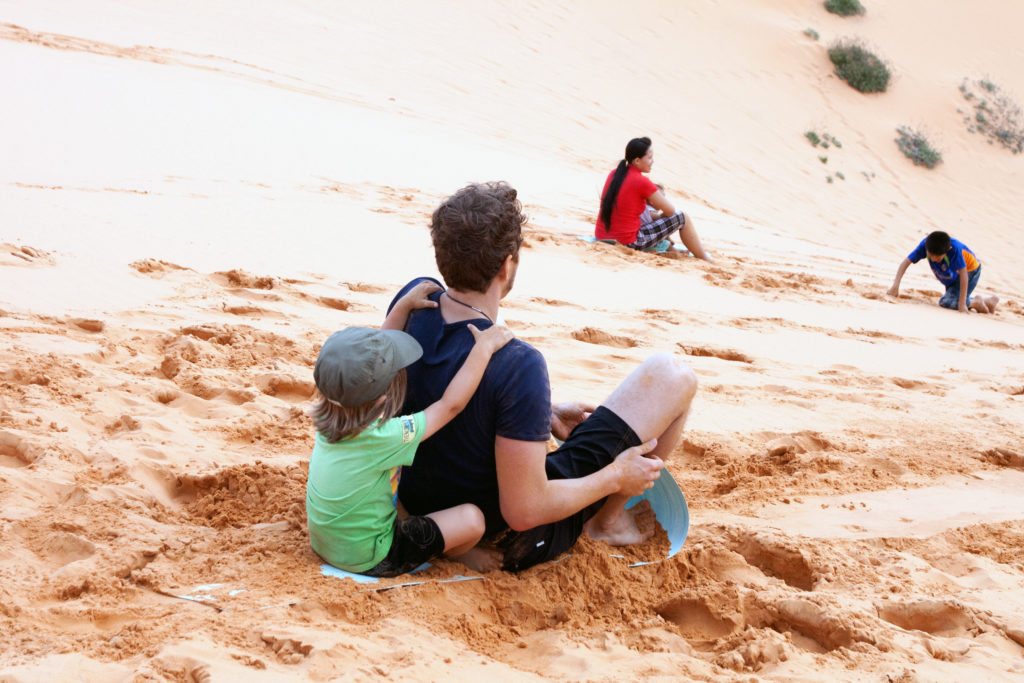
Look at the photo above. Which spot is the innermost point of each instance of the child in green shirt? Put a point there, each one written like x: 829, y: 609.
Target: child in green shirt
x: 362, y: 443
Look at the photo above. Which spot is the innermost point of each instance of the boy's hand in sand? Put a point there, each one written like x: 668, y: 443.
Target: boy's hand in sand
x: 565, y: 417
x: 637, y: 470
x: 491, y: 339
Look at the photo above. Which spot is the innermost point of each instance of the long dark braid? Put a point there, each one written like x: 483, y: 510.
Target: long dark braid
x: 635, y: 148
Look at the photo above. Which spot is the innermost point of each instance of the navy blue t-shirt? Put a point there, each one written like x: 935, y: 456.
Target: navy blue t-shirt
x: 456, y: 464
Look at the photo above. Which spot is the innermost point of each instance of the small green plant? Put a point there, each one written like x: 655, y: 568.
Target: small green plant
x: 823, y: 160
x: 828, y: 178
x: 840, y: 176
x: 811, y: 33
x: 845, y: 8
x: 996, y: 115
x: 825, y: 139
x: 917, y: 148
x: 859, y: 67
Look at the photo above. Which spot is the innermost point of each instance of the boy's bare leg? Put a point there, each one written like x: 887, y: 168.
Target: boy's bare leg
x: 462, y: 527
x: 979, y: 304
x: 688, y: 234
x: 481, y: 558
x: 654, y: 400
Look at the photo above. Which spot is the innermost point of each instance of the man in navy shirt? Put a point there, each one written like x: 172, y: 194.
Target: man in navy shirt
x: 494, y: 454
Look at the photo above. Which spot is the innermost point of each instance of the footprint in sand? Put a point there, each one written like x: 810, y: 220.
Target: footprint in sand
x: 240, y: 278
x: 775, y: 558
x: 288, y: 650
x: 938, y: 617
x: 16, y: 451
x: 698, y: 619
x: 11, y: 255
x: 336, y: 304
x: 592, y: 335
x: 824, y: 625
x: 724, y: 354
x: 155, y: 267
x: 1004, y: 458
x: 87, y: 324
x: 286, y: 387
x: 62, y: 548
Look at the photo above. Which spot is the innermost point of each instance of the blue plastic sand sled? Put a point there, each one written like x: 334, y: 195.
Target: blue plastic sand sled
x: 669, y: 507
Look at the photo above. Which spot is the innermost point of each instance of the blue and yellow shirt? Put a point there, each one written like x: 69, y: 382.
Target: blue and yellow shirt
x: 958, y: 256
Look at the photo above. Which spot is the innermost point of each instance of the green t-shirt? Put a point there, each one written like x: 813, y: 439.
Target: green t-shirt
x: 351, y: 489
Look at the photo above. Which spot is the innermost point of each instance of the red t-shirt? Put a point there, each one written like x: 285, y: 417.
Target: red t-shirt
x: 631, y: 202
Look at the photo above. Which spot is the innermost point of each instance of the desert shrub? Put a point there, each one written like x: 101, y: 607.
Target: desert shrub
x: 996, y: 115
x: 811, y: 33
x: 859, y: 67
x: 825, y: 140
x: 917, y: 148
x: 844, y: 8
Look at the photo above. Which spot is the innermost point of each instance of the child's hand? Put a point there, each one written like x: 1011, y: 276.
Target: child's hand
x: 491, y: 339
x: 417, y: 296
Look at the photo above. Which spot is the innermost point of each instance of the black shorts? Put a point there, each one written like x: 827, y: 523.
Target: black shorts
x: 591, y: 446
x: 417, y: 540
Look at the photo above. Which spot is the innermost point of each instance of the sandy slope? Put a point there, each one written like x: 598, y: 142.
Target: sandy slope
x: 192, y: 199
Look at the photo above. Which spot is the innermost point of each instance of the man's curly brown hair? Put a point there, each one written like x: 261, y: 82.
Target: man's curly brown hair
x: 474, y: 231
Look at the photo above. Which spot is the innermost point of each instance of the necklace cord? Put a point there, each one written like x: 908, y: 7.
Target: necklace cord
x: 463, y: 303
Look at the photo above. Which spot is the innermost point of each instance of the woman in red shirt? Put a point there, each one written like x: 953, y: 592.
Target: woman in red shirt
x: 626, y: 194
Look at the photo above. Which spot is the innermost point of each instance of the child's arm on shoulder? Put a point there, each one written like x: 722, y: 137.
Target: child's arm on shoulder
x: 413, y: 299
x: 895, y: 289
x: 467, y: 379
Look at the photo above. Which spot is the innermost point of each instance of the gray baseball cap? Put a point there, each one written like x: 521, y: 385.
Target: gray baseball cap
x: 357, y: 364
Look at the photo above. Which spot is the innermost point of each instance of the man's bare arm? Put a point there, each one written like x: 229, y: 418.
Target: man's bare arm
x: 528, y: 498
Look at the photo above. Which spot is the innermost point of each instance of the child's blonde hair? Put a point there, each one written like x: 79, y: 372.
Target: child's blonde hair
x: 336, y: 422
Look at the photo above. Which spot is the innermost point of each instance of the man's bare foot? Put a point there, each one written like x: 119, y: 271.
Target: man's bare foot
x: 979, y: 305
x: 481, y: 559
x: 992, y: 301
x: 618, y: 526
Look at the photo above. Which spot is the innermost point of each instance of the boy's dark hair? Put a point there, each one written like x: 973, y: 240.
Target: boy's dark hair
x: 474, y: 231
x: 336, y: 422
x: 937, y: 243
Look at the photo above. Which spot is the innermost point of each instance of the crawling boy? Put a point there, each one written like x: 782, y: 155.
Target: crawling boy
x: 956, y: 267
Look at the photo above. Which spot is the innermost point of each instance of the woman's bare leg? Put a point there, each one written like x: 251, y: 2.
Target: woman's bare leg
x: 688, y: 234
